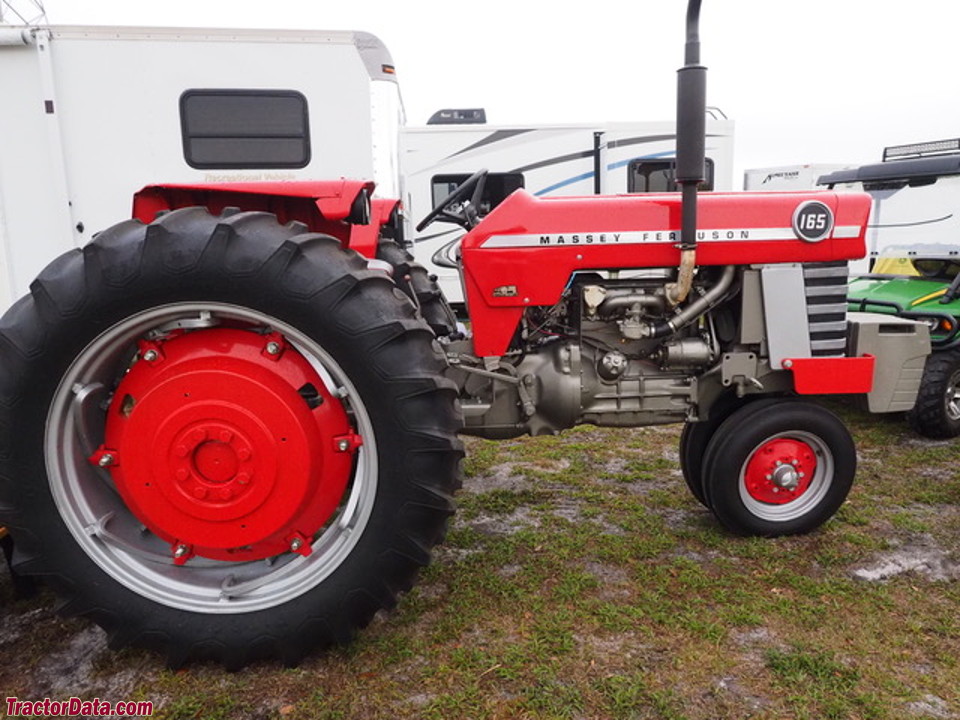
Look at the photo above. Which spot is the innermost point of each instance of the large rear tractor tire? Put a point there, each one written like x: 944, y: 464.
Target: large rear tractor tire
x: 936, y: 413
x: 223, y: 438
x: 778, y: 467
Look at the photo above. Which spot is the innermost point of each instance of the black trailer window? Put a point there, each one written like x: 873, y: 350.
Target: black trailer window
x: 245, y: 129
x: 656, y: 176
x: 495, y: 190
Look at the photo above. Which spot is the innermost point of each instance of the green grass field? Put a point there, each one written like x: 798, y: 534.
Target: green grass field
x: 581, y: 580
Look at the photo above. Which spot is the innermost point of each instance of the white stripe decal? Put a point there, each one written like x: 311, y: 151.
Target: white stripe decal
x: 644, y: 237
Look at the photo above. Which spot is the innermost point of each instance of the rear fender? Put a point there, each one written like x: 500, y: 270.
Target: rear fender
x: 341, y: 208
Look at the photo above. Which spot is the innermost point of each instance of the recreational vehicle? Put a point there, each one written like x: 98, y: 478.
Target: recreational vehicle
x: 93, y: 114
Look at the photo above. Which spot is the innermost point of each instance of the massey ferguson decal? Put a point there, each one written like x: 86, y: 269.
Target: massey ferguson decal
x: 812, y: 231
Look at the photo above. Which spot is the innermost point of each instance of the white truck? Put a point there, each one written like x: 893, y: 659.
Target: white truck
x: 546, y: 160
x: 93, y: 114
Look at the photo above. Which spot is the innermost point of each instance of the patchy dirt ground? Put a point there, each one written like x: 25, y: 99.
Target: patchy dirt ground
x: 580, y: 580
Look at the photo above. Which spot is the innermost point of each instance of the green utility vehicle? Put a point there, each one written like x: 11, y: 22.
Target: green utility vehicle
x: 913, y: 267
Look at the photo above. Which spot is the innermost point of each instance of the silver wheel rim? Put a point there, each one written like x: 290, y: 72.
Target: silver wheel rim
x: 952, y: 397
x: 115, y: 540
x: 816, y: 491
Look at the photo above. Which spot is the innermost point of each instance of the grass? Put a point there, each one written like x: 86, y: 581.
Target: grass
x: 580, y: 580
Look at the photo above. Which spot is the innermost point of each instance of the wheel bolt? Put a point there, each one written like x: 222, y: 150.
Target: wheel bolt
x: 151, y: 355
x: 181, y: 551
x: 273, y: 348
x: 106, y: 460
x: 343, y: 445
x: 296, y: 544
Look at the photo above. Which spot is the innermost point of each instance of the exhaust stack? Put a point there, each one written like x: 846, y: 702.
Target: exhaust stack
x: 691, y: 149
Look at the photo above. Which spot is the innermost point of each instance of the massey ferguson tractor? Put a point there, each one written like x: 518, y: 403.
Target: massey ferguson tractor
x: 228, y: 426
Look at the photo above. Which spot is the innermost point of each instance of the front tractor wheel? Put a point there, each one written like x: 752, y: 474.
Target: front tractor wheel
x: 778, y: 467
x: 223, y: 438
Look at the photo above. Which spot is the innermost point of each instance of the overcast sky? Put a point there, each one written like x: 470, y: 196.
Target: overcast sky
x: 805, y: 81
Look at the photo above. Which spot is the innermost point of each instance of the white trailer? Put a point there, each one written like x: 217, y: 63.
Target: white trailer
x: 546, y: 160
x: 787, y: 178
x: 93, y: 114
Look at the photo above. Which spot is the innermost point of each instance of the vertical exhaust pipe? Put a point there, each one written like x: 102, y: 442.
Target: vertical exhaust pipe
x: 691, y: 150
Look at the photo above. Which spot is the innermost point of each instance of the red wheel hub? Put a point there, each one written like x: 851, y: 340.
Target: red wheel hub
x: 780, y: 471
x: 227, y: 444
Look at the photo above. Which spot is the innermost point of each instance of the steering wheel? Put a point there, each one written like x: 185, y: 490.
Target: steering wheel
x: 461, y: 205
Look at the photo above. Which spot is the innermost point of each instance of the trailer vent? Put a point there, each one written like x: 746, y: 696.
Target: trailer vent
x: 825, y: 285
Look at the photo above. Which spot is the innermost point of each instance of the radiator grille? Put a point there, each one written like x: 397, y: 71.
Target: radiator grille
x: 825, y: 285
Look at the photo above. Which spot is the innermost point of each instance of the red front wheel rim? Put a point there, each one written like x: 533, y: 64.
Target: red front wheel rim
x: 786, y: 476
x: 780, y: 470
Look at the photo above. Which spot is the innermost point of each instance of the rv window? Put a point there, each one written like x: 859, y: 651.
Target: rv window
x: 655, y: 176
x: 245, y: 129
x: 495, y: 190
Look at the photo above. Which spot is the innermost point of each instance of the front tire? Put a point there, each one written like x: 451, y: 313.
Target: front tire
x: 936, y: 413
x: 778, y: 467
x: 223, y: 438
x: 694, y: 440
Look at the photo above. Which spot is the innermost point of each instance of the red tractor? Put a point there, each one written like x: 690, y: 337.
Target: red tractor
x: 228, y: 426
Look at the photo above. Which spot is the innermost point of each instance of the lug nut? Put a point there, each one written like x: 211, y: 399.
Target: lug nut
x: 181, y: 551
x: 106, y: 460
x: 296, y: 544
x: 273, y: 348
x: 151, y: 355
x: 343, y: 445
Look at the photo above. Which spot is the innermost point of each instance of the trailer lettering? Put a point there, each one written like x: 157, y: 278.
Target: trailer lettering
x: 544, y: 239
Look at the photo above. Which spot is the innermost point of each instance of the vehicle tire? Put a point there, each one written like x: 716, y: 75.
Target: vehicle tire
x: 936, y: 414
x: 778, y: 467
x: 421, y: 288
x: 694, y: 440
x: 277, y: 455
x: 23, y: 587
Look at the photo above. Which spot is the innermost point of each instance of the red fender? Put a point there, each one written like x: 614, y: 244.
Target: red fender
x: 332, y: 207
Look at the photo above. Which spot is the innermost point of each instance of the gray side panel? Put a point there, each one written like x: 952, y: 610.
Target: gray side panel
x: 785, y: 309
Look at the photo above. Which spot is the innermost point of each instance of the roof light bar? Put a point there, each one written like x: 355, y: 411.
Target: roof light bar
x: 925, y: 149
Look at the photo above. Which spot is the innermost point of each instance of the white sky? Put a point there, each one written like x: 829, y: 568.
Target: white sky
x: 805, y: 81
